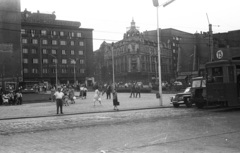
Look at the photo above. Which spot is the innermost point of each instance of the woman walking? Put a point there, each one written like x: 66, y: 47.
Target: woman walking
x: 97, y: 97
x: 115, y: 99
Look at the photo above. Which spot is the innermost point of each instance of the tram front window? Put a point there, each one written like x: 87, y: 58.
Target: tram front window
x: 215, y: 75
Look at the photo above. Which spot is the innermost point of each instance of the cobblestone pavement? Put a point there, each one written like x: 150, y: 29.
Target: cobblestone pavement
x: 147, y: 100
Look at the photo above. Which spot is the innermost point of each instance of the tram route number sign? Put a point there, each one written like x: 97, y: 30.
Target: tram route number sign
x: 219, y: 54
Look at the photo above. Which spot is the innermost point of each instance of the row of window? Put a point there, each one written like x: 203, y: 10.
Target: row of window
x: 53, y: 70
x: 46, y: 61
x: 53, y: 51
x: 52, y: 33
x: 52, y: 42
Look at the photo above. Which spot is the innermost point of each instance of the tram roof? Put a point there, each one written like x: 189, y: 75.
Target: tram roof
x: 222, y: 62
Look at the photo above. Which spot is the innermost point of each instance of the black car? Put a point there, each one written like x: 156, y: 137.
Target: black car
x: 182, y: 98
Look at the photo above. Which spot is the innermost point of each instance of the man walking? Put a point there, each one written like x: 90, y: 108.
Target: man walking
x: 59, y: 96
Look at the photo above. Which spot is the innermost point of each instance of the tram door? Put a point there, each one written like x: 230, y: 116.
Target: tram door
x: 238, y: 79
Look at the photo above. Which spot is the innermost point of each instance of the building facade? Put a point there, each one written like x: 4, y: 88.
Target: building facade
x: 10, y: 46
x: 55, y: 49
x: 135, y: 58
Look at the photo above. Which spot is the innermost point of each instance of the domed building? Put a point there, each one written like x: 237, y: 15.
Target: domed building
x: 136, y: 58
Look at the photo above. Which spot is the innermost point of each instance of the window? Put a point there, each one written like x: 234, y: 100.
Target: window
x: 71, y: 34
x: 44, y: 51
x: 25, y: 70
x: 214, y: 75
x: 45, y: 71
x: 45, y: 61
x: 44, y: 42
x: 54, y: 70
x: 63, y: 52
x: 81, y: 61
x: 33, y: 32
x: 72, y: 52
x: 80, y: 52
x: 64, y: 61
x: 34, y: 51
x: 25, y: 51
x: 80, y: 43
x: 24, y: 41
x: 82, y: 70
x: 23, y: 31
x: 64, y: 70
x: 54, y: 42
x: 61, y: 33
x: 43, y: 32
x: 34, y: 70
x: 54, y: 51
x: 35, y: 61
x: 25, y: 60
x: 63, y: 42
x: 72, y: 43
x: 72, y: 61
x: 34, y: 41
x: 53, y: 33
x: 54, y: 60
x: 79, y: 34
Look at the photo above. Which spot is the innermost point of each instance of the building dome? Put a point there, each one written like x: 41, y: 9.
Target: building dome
x: 133, y: 31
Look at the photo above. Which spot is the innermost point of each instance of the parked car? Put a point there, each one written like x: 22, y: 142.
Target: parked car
x: 182, y: 98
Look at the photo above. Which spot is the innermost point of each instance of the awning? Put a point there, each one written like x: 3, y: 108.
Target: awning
x: 181, y: 77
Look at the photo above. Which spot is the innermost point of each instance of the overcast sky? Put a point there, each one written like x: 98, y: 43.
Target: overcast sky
x: 110, y: 18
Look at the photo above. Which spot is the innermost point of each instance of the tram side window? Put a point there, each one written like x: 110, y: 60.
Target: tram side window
x: 214, y: 75
x: 231, y: 73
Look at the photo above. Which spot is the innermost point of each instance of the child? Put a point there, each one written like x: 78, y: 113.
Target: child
x: 97, y: 97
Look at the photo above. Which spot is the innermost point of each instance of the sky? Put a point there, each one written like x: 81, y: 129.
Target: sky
x: 110, y: 19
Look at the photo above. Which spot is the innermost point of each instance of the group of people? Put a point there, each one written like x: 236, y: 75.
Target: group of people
x: 135, y: 90
x: 108, y: 89
x: 11, y: 98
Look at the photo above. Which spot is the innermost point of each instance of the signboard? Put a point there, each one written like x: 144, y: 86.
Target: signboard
x: 219, y: 54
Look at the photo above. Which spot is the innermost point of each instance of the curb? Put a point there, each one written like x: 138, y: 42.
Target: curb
x: 97, y: 112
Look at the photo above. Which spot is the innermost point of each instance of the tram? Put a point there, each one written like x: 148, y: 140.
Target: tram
x: 222, y: 84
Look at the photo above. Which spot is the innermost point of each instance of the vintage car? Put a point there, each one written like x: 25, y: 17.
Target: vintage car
x: 182, y: 98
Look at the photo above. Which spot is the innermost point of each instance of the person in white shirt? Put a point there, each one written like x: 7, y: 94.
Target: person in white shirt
x: 59, y: 100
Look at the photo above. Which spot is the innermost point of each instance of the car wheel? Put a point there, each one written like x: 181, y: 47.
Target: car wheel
x: 176, y: 105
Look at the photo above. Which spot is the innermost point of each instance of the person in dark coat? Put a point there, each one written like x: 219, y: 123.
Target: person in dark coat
x: 115, y: 100
x: 132, y: 90
x: 108, y: 91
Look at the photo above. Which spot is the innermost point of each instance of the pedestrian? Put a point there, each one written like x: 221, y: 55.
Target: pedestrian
x: 85, y: 92
x: 108, y: 91
x: 132, y: 90
x: 72, y: 95
x: 59, y: 100
x: 97, y: 97
x: 52, y: 98
x: 115, y: 100
x: 138, y: 90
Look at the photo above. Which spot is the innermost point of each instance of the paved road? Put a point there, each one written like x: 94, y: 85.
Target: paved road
x: 167, y: 130
x: 147, y: 100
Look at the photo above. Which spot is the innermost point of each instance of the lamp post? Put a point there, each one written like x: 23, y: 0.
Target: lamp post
x: 74, y: 69
x: 156, y: 4
x: 113, y: 67
x: 55, y: 68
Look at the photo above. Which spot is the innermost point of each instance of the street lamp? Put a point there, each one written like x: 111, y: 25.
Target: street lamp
x: 56, y: 68
x: 113, y: 67
x: 74, y: 69
x: 156, y: 4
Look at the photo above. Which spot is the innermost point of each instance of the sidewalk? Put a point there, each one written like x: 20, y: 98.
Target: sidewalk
x: 147, y: 100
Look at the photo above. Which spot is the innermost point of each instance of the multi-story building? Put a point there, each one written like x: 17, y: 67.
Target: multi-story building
x: 51, y: 47
x: 189, y: 51
x: 10, y: 48
x: 135, y: 58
